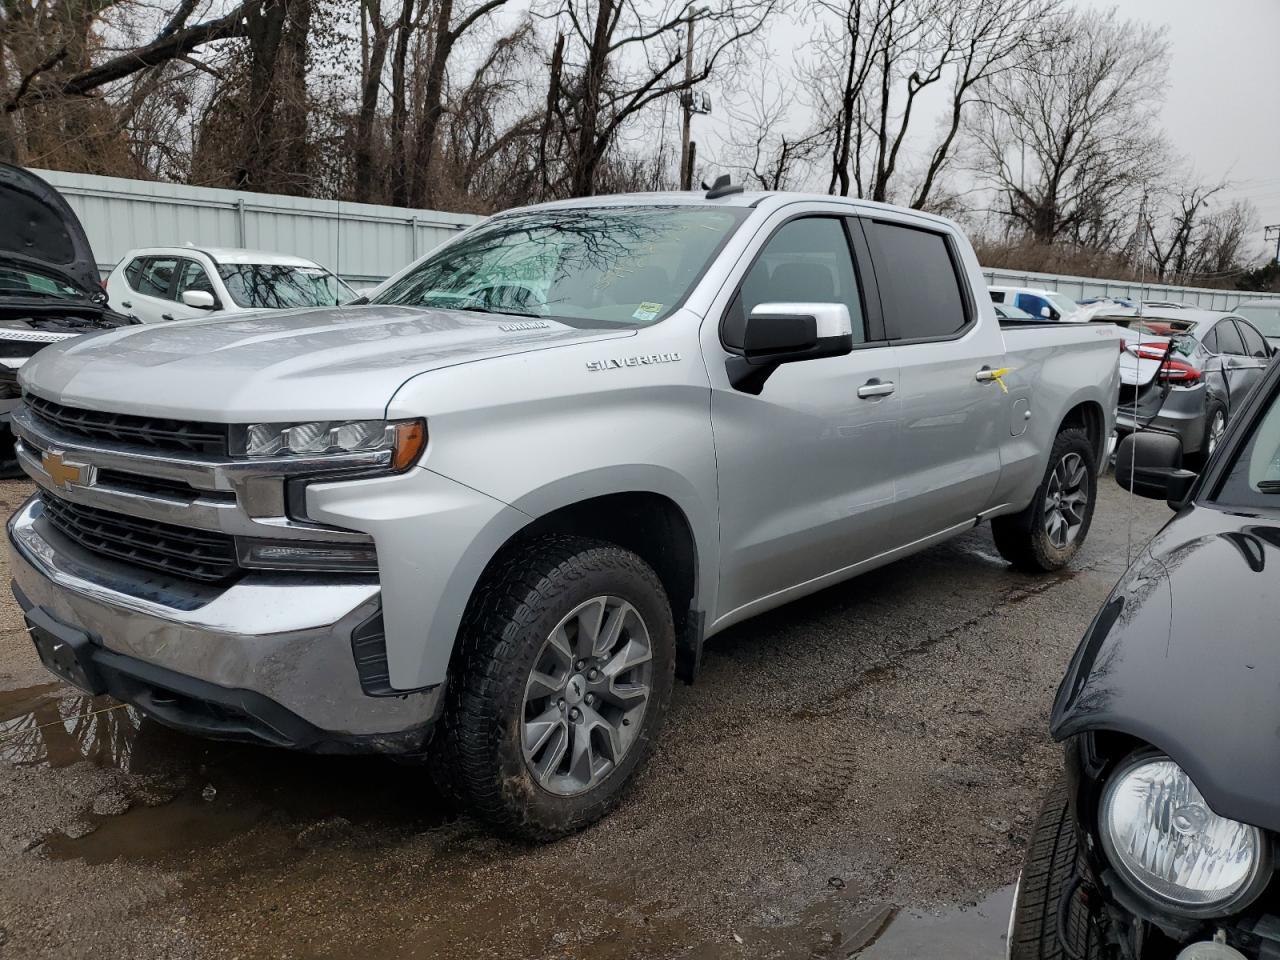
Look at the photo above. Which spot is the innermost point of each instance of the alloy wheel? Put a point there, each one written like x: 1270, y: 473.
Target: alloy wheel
x: 586, y: 695
x: 1065, y: 500
x: 1217, y: 427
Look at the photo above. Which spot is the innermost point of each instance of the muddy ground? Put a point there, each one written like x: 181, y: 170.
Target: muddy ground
x: 853, y: 775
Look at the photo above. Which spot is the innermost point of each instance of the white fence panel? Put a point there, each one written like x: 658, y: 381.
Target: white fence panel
x: 362, y: 242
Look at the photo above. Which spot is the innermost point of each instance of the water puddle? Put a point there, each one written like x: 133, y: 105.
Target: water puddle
x: 955, y: 933
x: 180, y: 794
x: 47, y: 725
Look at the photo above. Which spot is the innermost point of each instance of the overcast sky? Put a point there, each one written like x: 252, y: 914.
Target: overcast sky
x: 1222, y: 105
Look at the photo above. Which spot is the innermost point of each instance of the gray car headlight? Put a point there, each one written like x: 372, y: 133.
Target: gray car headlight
x: 405, y: 439
x: 1161, y: 837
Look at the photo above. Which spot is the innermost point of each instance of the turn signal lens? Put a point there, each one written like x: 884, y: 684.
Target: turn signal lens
x: 411, y: 440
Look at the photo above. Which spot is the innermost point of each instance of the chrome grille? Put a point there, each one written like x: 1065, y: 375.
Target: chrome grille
x: 179, y: 551
x: 156, y: 432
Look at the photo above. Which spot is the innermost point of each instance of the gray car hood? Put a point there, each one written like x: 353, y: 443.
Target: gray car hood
x: 281, y: 366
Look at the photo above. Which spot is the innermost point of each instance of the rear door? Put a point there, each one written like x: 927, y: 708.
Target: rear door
x: 954, y: 417
x: 1245, y: 368
x: 151, y: 288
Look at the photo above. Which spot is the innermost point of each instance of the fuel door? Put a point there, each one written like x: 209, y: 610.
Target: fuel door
x: 1019, y: 417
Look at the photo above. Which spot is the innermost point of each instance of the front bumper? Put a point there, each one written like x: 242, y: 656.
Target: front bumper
x: 269, y: 658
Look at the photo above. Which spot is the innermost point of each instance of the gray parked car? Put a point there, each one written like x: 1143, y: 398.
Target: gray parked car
x: 1185, y: 372
x: 488, y: 514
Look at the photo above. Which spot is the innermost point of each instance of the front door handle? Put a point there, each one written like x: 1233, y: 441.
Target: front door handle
x: 876, y: 388
x: 166, y: 316
x: 126, y: 304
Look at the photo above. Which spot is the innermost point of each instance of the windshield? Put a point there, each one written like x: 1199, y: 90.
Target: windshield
x: 1253, y: 478
x: 1265, y: 316
x: 605, y: 266
x: 19, y: 282
x: 272, y: 286
x: 1063, y: 304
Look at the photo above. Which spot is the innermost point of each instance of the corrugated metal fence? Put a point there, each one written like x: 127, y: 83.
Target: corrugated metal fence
x: 361, y: 242
x: 1082, y: 288
x: 367, y: 243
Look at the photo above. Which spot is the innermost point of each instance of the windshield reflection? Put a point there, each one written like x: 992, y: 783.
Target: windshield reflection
x: 270, y: 286
x: 625, y: 266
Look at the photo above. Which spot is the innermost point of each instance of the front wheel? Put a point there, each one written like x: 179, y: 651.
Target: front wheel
x: 1039, y: 926
x: 560, y: 684
x: 1047, y: 534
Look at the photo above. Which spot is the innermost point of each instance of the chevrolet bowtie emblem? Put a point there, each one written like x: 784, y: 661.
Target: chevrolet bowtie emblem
x: 64, y: 473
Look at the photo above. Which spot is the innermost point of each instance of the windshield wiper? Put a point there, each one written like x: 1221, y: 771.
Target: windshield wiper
x: 476, y: 308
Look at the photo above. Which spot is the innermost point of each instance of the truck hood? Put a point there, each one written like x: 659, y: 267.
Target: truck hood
x: 345, y: 362
x: 45, y: 233
x: 1184, y: 657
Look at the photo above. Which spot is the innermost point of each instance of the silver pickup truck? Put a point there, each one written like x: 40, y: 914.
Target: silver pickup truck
x: 488, y: 516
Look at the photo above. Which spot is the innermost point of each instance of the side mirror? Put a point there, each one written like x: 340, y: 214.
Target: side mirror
x: 1150, y: 464
x: 1046, y: 312
x: 200, y: 299
x: 778, y: 333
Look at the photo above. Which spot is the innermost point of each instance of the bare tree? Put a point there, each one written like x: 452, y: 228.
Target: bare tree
x: 1069, y: 145
x: 874, y: 60
x: 765, y: 145
x: 630, y: 57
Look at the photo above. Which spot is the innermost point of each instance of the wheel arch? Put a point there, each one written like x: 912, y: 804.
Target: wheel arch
x: 653, y: 524
x: 1088, y: 416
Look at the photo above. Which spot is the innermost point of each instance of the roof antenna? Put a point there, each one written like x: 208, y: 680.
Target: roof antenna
x: 721, y: 187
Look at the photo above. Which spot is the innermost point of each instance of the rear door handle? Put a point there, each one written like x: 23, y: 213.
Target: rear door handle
x: 876, y: 388
x: 166, y: 316
x: 127, y: 304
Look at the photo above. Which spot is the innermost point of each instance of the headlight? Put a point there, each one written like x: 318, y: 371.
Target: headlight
x: 405, y: 439
x: 1167, y: 844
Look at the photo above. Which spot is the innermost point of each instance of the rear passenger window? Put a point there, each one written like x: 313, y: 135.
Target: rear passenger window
x: 156, y: 275
x: 1254, y: 343
x: 806, y: 261
x: 133, y: 272
x: 1229, y: 341
x: 919, y: 285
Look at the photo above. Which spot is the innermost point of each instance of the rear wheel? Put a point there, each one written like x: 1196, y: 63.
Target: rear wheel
x: 560, y: 684
x: 1047, y: 876
x: 1215, y: 425
x: 1047, y: 534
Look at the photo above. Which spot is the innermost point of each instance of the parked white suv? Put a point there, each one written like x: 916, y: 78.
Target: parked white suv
x: 179, y: 283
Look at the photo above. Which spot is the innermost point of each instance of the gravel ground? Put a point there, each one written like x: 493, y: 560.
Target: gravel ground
x: 852, y: 775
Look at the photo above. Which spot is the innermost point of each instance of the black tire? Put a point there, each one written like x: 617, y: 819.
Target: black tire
x: 1022, y: 538
x: 1196, y: 461
x: 10, y: 469
x: 477, y: 754
x: 1047, y: 875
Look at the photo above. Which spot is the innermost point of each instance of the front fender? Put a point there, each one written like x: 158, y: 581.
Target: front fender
x: 1183, y: 657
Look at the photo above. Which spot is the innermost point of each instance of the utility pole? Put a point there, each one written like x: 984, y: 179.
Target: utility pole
x: 689, y: 105
x: 1273, y: 230
x: 686, y: 108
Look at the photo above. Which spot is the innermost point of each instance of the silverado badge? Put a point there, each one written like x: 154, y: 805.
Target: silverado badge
x: 615, y: 363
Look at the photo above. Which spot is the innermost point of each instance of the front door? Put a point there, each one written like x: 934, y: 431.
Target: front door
x: 806, y: 467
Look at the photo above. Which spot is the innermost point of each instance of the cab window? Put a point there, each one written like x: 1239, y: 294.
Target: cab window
x: 920, y: 285
x: 807, y: 261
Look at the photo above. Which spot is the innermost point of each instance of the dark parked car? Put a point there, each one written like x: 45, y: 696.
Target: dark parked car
x: 49, y: 287
x: 1184, y: 372
x: 1163, y: 833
